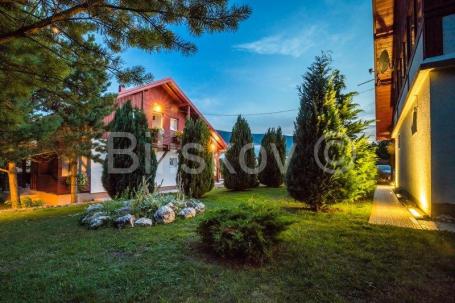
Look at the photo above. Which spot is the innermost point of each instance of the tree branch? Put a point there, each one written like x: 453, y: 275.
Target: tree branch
x: 35, y: 27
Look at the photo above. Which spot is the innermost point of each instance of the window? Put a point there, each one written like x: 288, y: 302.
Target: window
x: 174, y: 124
x: 448, y: 29
x: 173, y: 162
x: 414, y: 121
x: 157, y: 120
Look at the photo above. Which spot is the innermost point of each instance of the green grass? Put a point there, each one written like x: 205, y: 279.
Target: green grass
x: 327, y: 257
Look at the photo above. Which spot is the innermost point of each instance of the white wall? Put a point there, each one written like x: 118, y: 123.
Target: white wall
x: 413, y: 147
x: 166, y: 174
x: 96, y: 171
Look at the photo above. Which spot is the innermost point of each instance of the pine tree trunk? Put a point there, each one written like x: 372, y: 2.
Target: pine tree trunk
x: 73, y: 181
x: 13, y: 186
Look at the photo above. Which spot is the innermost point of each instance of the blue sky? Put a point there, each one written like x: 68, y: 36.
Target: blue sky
x: 257, y: 68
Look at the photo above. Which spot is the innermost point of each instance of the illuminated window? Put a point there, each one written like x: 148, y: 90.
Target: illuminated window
x: 174, y: 124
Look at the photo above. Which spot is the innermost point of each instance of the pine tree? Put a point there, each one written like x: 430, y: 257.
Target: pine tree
x: 313, y: 168
x: 273, y: 145
x: 148, y: 25
x: 81, y: 103
x: 237, y: 176
x: 133, y: 121
x: 196, y: 184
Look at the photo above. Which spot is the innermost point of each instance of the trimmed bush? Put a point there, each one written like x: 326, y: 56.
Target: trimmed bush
x: 273, y: 145
x: 238, y: 178
x: 247, y: 233
x: 133, y: 121
x: 195, y: 185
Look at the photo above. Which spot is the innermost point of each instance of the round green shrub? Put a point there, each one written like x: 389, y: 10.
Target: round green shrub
x: 246, y: 233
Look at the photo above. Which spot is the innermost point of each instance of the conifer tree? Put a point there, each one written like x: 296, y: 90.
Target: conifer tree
x: 80, y: 102
x: 196, y: 183
x: 358, y: 180
x: 273, y: 145
x: 313, y: 168
x: 240, y: 174
x: 133, y: 121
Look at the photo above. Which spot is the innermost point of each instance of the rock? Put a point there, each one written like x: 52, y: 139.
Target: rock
x: 187, y: 213
x: 124, y: 220
x: 198, y: 206
x: 98, y: 221
x: 144, y: 222
x: 165, y: 215
x: 94, y: 208
x: 88, y: 217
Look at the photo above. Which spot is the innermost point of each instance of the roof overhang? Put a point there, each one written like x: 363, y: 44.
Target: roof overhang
x: 383, y: 15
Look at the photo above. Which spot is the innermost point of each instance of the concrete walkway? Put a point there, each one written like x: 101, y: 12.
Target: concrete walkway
x: 387, y: 210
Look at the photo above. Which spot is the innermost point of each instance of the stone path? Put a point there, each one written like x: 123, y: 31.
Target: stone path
x: 387, y: 210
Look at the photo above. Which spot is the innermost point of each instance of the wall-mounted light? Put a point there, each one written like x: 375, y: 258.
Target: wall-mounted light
x: 157, y: 108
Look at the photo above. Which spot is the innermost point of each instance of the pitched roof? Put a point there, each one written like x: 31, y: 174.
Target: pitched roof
x: 171, y: 86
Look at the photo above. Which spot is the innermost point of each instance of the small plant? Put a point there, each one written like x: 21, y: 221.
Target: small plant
x: 247, y: 233
x: 81, y: 180
x: 27, y: 202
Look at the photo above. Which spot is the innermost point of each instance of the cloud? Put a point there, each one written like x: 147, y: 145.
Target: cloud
x: 294, y: 46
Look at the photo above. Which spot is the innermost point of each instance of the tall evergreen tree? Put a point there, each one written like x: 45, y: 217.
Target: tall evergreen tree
x: 359, y: 179
x: 196, y: 184
x: 81, y: 103
x: 273, y: 145
x: 313, y: 168
x: 237, y: 176
x: 24, y: 127
x: 133, y: 121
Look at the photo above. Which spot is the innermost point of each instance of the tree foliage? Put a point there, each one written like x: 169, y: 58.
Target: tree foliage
x: 239, y: 172
x: 273, y: 145
x: 148, y: 25
x: 359, y: 179
x: 133, y: 121
x: 197, y: 136
x: 80, y: 103
x: 310, y: 176
x: 333, y: 159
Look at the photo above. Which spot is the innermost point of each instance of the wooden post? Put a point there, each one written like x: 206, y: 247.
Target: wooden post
x: 188, y: 113
x: 13, y: 186
x: 73, y: 180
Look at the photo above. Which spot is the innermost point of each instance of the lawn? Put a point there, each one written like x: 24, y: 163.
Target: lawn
x: 327, y: 257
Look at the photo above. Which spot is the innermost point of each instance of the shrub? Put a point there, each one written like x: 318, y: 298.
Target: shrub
x: 247, y: 233
x: 238, y: 178
x: 27, y: 202
x: 196, y: 185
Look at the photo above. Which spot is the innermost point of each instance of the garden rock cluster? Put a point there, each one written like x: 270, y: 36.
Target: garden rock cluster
x: 156, y: 209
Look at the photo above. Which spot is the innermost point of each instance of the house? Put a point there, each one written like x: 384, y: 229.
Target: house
x: 414, y: 45
x: 166, y: 107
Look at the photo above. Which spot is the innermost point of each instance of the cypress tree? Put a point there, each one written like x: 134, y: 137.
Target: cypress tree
x: 237, y: 176
x: 313, y: 168
x: 273, y: 145
x: 196, y: 184
x: 358, y: 180
x: 130, y: 120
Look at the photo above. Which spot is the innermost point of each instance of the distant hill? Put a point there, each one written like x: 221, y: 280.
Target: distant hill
x: 257, y: 138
